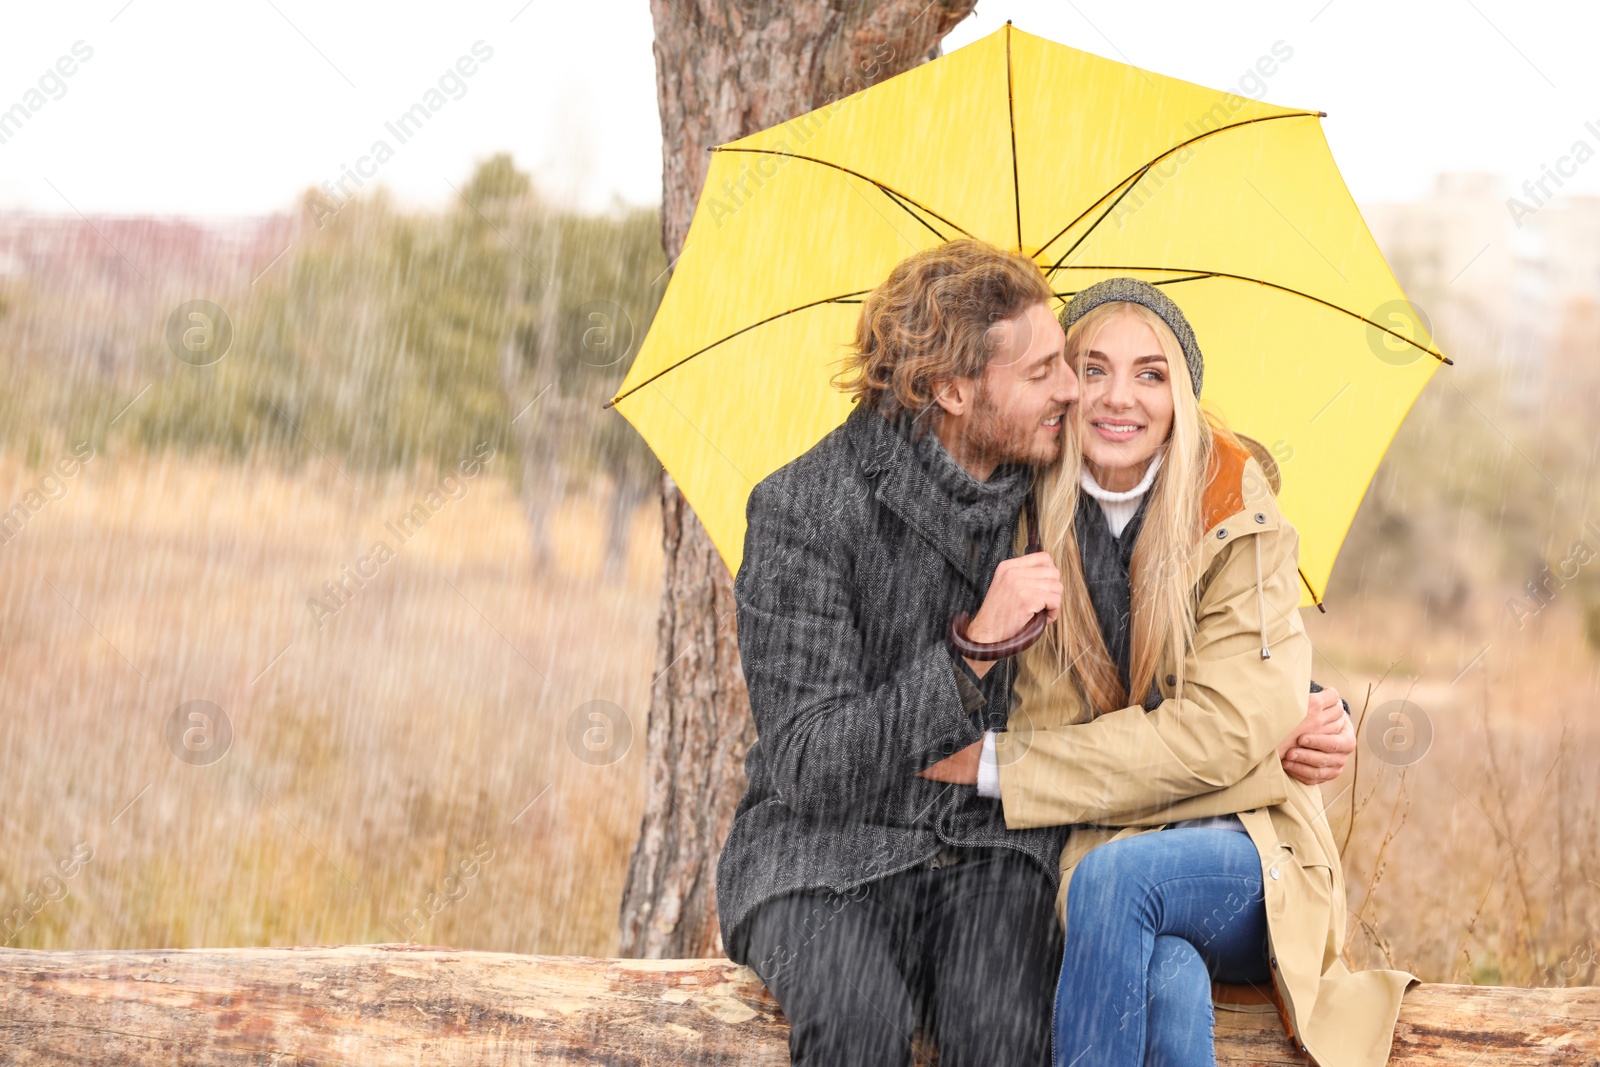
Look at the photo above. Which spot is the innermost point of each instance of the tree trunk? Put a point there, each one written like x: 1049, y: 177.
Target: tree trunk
x: 399, y: 1005
x: 541, y: 419
x: 626, y: 496
x: 724, y: 69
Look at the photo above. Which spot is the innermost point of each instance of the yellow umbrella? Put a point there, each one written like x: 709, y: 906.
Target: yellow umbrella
x: 1094, y: 168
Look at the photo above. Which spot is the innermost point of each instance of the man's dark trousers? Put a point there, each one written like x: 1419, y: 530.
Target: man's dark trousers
x: 964, y: 946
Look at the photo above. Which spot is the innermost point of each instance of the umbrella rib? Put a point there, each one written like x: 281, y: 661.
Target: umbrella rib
x: 1315, y: 599
x: 1139, y: 172
x: 926, y: 224
x: 1165, y: 281
x: 1196, y: 274
x: 1128, y: 187
x: 893, y: 194
x: 840, y: 299
x: 1011, y: 113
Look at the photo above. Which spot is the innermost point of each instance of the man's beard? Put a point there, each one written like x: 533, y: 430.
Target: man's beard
x: 992, y: 437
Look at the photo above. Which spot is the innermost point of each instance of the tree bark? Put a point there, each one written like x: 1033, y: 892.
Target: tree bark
x: 399, y: 1005
x: 724, y: 69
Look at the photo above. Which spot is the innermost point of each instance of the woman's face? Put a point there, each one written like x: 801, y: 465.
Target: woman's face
x: 1125, y: 394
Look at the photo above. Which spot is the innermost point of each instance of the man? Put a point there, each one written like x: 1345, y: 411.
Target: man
x: 872, y: 900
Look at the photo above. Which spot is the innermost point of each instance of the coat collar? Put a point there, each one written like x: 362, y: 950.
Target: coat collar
x: 1224, y: 492
x: 874, y: 439
x: 908, y: 491
x: 1238, y: 501
x: 1237, y: 498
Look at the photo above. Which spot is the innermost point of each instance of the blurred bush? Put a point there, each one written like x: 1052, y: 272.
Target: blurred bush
x: 381, y: 340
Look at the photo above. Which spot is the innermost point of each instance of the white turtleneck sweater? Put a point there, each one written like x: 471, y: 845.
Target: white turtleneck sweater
x: 1118, y: 508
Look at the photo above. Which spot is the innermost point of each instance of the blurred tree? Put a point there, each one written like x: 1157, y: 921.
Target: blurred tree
x: 388, y: 340
x: 1568, y: 418
x: 615, y: 273
x: 496, y: 182
x: 500, y: 216
x: 373, y: 346
x: 578, y: 295
x: 724, y: 69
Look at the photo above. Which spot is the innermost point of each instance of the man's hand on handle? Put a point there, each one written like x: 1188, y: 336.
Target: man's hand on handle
x: 1321, y: 745
x: 1023, y: 586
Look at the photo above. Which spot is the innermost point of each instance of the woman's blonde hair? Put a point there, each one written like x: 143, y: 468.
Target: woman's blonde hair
x: 1162, y: 574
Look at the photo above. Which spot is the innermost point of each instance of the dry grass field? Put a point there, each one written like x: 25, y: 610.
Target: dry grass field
x: 1477, y: 862
x: 419, y: 739
x: 423, y: 724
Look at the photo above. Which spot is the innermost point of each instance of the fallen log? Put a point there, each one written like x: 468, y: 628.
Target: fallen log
x: 381, y: 1005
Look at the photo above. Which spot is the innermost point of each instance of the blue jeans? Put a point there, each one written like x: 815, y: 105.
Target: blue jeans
x: 1152, y: 920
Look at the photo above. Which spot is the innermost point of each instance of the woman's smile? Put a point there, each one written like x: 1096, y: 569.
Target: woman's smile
x: 1117, y: 429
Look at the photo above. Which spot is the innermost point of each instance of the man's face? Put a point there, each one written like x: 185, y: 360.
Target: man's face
x: 1017, y: 413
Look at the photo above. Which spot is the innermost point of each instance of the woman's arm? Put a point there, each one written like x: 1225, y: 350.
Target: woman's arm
x: 1236, y: 707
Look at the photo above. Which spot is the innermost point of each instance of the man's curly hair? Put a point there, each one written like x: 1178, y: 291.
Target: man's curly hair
x: 930, y: 320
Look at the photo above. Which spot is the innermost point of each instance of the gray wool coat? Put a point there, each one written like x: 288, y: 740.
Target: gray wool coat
x: 852, y: 570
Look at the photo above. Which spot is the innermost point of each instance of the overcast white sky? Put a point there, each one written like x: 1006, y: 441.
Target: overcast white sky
x: 215, y: 108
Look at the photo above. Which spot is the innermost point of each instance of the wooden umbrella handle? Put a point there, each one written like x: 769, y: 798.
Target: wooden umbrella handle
x: 992, y: 650
x: 980, y: 650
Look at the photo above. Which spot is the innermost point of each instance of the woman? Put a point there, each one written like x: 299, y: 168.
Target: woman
x: 1182, y: 584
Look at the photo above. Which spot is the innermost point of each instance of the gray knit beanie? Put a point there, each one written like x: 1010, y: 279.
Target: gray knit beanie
x: 1135, y: 291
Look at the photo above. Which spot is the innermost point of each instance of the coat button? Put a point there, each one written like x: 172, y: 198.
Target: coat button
x: 1172, y: 679
x: 1221, y: 534
x: 1274, y: 872
x: 1260, y: 517
x: 1273, y: 961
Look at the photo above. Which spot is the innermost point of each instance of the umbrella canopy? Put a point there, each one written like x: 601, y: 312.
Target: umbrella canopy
x: 1094, y: 168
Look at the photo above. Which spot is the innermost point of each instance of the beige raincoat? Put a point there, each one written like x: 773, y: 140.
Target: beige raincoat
x: 1215, y: 752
